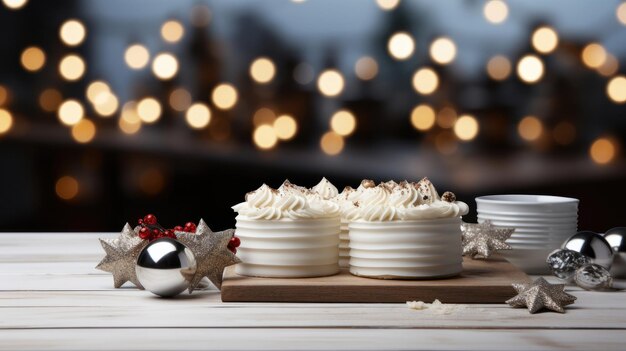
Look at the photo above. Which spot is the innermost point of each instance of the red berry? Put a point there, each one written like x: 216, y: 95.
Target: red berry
x: 140, y: 221
x: 144, y: 233
x: 155, y: 232
x: 190, y: 227
x: 150, y: 219
x: 179, y: 228
x: 235, y: 241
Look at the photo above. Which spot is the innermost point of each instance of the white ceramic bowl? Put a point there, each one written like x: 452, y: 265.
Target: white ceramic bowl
x: 527, y: 203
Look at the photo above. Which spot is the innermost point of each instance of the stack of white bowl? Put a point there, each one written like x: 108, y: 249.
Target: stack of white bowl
x: 541, y: 225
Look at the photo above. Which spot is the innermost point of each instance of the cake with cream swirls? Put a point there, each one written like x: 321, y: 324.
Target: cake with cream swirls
x: 291, y: 231
x: 403, y: 231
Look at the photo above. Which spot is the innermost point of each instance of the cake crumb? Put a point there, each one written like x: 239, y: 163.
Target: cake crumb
x: 416, y: 305
x: 437, y: 307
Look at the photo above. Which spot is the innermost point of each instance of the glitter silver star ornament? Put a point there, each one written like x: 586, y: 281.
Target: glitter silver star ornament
x: 211, y: 252
x: 541, y: 295
x: 121, y: 256
x: 481, y: 239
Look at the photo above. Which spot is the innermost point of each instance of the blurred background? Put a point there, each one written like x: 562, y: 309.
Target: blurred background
x: 110, y: 110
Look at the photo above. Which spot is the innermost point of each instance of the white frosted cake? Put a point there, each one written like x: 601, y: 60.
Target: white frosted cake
x: 404, y: 231
x: 287, y: 232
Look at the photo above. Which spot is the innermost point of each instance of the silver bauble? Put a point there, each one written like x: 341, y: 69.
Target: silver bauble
x: 616, y: 238
x: 161, y: 264
x: 593, y: 277
x: 592, y: 245
x: 563, y: 263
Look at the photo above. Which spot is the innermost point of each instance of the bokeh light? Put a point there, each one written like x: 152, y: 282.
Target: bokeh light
x: 6, y: 121
x: 72, y: 32
x: 67, y: 187
x: 620, y: 13
x: 401, y: 45
x: 530, y: 128
x: 332, y: 143
x: 198, y: 116
x: 264, y: 137
x: 180, y: 99
x: 423, y: 117
x: 72, y: 67
x: 387, y: 5
x: 446, y: 143
x: 15, y: 4
x: 616, y: 89
x: 330, y: 82
x: 593, y: 55
x: 50, y: 100
x: 137, y: 56
x: 610, y: 66
x: 172, y: 31
x: 530, y: 69
x: 106, y: 104
x: 129, y: 122
x: 466, y: 128
x: 499, y: 67
x: 603, y: 151
x: 224, y: 96
x: 263, y: 115
x: 425, y: 81
x: 446, y: 117
x: 33, y: 58
x: 262, y: 70
x: 70, y: 112
x: 343, y: 122
x: 545, y: 40
x: 149, y: 110
x: 496, y: 11
x: 443, y: 50
x: 366, y: 68
x: 97, y: 90
x: 84, y: 131
x: 285, y: 127
x: 165, y: 66
x: 4, y: 95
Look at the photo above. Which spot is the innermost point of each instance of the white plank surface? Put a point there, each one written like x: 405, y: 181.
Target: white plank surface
x: 51, y: 297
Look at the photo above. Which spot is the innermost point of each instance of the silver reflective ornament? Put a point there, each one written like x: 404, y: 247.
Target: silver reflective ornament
x: 592, y: 245
x: 593, y: 277
x: 164, y: 267
x: 563, y: 263
x: 616, y: 238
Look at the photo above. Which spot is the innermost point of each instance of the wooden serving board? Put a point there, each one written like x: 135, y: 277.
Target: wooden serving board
x: 482, y: 281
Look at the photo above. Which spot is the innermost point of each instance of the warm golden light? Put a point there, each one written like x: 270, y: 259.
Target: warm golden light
x: 262, y: 70
x: 106, y: 104
x: 6, y: 121
x: 172, y: 31
x: 425, y: 81
x: 72, y: 67
x: 616, y: 89
x: 530, y: 69
x: 620, y: 13
x: 149, y: 110
x: 330, y: 82
x: 545, y: 39
x: 343, y: 122
x: 564, y: 133
x: 224, y: 96
x: 198, y: 116
x: 496, y: 11
x: 4, y: 95
x: 499, y: 68
x: 609, y: 67
x: 67, y: 187
x: 33, y: 59
x: 97, y: 90
x: 443, y: 50
x: 72, y: 32
x: 263, y: 116
x: 466, y: 128
x: 401, y: 45
x: 603, y: 151
x: 129, y: 122
x: 388, y: 5
x: 165, y: 66
x: 137, y: 56
x: 594, y: 55
x: 84, y: 131
x: 530, y: 128
x: 366, y: 68
x: 50, y: 99
x: 14, y: 4
x: 423, y: 117
x: 70, y: 112
x: 264, y: 137
x: 332, y: 143
x: 285, y: 127
x: 180, y: 99
x: 446, y: 117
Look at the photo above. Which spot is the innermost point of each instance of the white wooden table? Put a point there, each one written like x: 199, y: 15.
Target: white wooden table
x: 51, y: 297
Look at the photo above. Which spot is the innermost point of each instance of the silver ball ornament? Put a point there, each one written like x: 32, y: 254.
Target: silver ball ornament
x: 592, y: 245
x: 563, y: 263
x: 593, y: 277
x: 161, y: 264
x: 616, y: 237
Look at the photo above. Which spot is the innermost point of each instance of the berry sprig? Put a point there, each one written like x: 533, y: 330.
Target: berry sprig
x: 152, y: 230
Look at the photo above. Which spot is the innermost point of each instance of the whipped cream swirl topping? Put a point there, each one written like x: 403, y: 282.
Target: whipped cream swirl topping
x: 289, y: 201
x: 391, y: 201
x: 325, y: 189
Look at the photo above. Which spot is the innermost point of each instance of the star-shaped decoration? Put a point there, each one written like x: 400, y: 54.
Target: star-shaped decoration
x: 121, y: 256
x: 480, y: 239
x: 211, y: 252
x: 541, y: 294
